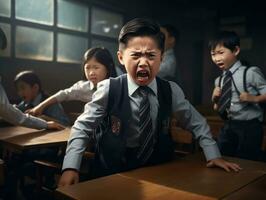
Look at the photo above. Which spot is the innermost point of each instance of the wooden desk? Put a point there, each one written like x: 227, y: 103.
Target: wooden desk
x: 196, y: 178
x: 18, y: 138
x: 189, y: 175
x: 257, y: 187
x: 122, y: 187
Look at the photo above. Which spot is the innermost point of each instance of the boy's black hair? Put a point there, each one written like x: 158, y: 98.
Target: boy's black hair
x: 228, y: 39
x: 103, y: 56
x: 28, y: 77
x: 172, y: 31
x: 141, y: 27
x: 3, y: 40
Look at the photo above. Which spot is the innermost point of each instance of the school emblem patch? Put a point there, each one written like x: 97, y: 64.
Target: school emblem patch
x: 115, y: 125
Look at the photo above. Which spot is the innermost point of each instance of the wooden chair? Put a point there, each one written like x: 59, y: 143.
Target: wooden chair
x: 55, y: 168
x: 184, y: 141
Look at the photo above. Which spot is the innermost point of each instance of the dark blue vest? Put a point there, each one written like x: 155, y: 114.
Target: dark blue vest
x: 112, y: 155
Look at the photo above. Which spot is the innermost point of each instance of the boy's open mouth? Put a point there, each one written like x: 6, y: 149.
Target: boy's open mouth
x: 143, y: 74
x: 220, y: 64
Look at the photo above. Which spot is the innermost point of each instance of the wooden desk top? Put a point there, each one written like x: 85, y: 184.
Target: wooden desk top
x: 191, y: 174
x: 19, y: 138
x: 257, y: 187
x: 12, y: 131
x: 188, y: 175
x: 122, y: 187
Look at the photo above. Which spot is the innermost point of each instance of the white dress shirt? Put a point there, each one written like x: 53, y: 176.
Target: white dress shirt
x: 80, y: 91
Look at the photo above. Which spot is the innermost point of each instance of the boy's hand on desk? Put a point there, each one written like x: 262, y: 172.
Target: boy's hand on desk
x: 54, y: 125
x: 69, y: 177
x: 227, y: 166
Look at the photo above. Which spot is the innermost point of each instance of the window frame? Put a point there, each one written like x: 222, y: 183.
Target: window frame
x: 13, y: 22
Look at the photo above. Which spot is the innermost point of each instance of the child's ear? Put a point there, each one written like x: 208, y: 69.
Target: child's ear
x: 120, y: 57
x: 237, y: 50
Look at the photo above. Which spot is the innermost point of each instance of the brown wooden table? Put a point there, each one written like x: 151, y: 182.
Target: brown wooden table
x: 121, y: 187
x: 183, y: 178
x: 17, y: 138
x: 255, y: 190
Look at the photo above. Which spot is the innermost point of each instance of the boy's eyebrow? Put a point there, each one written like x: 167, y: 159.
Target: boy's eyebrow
x: 145, y: 52
x: 218, y: 50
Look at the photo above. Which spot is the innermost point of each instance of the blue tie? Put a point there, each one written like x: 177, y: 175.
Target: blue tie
x: 145, y: 126
x: 225, y: 99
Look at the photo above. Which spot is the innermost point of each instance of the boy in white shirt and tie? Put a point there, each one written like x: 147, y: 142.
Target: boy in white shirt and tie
x: 127, y: 143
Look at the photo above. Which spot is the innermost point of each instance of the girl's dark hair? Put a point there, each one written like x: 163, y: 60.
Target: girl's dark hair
x: 28, y: 77
x: 228, y: 39
x: 103, y: 56
x: 141, y: 27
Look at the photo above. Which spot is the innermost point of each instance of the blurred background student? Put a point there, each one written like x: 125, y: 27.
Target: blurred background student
x: 169, y: 68
x: 29, y: 89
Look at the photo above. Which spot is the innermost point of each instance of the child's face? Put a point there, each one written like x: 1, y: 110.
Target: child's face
x: 95, y: 71
x: 141, y: 58
x: 223, y: 57
x: 26, y: 91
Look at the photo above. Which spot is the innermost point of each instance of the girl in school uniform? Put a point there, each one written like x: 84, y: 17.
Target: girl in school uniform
x: 98, y: 65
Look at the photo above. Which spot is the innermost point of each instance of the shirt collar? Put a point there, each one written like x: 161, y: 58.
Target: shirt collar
x: 132, y: 86
x: 234, y: 67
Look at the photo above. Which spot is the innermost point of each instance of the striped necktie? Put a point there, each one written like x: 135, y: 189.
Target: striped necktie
x: 145, y: 126
x: 225, y: 99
